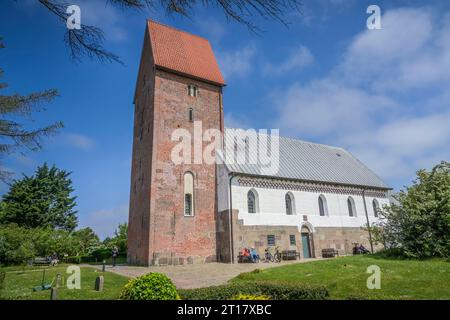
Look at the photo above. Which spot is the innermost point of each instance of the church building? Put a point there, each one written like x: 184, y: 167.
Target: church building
x: 317, y: 197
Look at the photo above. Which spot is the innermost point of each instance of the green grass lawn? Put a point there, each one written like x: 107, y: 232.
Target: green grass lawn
x: 19, y: 283
x: 346, y: 277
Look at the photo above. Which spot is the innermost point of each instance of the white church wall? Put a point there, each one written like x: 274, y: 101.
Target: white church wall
x: 272, y: 210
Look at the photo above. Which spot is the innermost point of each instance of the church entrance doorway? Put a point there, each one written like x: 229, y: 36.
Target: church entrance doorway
x: 306, y: 246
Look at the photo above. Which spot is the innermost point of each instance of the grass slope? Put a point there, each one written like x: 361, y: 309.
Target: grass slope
x: 346, y: 277
x: 19, y: 283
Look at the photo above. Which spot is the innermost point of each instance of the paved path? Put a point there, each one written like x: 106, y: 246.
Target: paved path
x: 197, y: 275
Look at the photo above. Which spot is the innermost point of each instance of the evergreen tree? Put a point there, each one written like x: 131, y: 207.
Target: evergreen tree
x: 41, y: 201
x: 13, y: 135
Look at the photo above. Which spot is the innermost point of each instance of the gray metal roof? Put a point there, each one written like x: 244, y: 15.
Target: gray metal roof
x: 306, y: 161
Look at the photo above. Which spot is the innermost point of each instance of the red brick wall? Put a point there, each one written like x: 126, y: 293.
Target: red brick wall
x: 159, y: 233
x: 175, y: 236
x: 139, y: 212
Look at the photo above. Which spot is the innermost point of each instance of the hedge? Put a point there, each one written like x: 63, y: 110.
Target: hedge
x: 275, y: 290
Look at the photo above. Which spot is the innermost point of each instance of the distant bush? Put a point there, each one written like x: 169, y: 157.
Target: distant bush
x: 274, y: 290
x: 392, y: 253
x: 152, y: 286
x: 101, y: 254
x: 19, y: 245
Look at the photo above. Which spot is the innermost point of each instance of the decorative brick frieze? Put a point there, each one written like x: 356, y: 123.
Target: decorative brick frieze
x: 275, y: 183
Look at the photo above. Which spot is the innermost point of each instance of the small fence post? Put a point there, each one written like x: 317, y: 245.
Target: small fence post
x: 99, y: 281
x: 54, y: 293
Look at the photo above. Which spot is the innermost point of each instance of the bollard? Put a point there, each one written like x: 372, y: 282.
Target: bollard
x: 58, y: 280
x: 54, y: 294
x: 99, y: 281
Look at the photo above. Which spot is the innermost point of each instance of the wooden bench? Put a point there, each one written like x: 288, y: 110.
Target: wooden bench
x: 40, y: 262
x: 244, y: 259
x: 329, y: 253
x: 290, y: 255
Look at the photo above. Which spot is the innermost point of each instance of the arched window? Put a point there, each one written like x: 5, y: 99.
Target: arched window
x: 188, y: 194
x: 252, y: 201
x: 351, y: 207
x: 289, y: 200
x: 323, y: 209
x: 191, y: 114
x: 376, y: 207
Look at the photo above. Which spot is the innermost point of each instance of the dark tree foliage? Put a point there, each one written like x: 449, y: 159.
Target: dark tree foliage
x: 13, y: 135
x: 41, y: 201
x: 88, y: 39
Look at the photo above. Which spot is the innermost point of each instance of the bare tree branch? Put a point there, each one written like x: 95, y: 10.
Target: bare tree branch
x: 88, y: 40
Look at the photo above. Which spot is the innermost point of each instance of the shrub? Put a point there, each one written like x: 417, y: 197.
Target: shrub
x: 152, y: 286
x: 73, y: 259
x: 274, y: 290
x: 392, y: 253
x: 249, y: 297
x: 101, y: 254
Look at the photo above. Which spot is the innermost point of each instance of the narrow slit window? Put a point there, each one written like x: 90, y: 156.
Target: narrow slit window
x: 188, y: 204
x: 251, y: 202
x: 191, y: 114
x: 192, y: 90
x: 189, y: 194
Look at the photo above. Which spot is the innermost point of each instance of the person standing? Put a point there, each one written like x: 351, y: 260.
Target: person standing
x: 115, y: 253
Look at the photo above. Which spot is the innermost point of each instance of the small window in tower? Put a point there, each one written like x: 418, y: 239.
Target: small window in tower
x: 188, y: 204
x: 191, y: 114
x: 192, y: 90
x: 189, y: 194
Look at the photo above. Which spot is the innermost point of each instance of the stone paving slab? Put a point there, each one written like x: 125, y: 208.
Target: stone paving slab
x: 198, y: 275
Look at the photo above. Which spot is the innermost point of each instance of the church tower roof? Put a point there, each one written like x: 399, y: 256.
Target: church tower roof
x: 185, y: 53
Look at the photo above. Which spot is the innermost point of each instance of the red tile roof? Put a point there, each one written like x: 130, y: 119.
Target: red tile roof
x: 183, y: 52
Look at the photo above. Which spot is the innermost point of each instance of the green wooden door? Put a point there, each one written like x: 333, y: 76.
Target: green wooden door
x: 305, y: 244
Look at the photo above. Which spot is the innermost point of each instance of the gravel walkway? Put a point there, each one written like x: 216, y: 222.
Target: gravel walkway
x: 197, y: 275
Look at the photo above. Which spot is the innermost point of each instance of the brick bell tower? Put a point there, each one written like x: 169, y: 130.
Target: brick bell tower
x: 172, y: 217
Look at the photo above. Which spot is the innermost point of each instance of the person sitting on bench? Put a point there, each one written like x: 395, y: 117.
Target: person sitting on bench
x: 254, y: 255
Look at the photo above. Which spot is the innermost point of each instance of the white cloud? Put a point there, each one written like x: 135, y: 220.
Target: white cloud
x: 387, y: 101
x: 237, y: 63
x: 298, y: 60
x: 79, y: 141
x: 105, y: 221
x: 233, y: 121
x: 105, y: 16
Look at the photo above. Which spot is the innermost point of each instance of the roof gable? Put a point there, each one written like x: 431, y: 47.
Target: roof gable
x: 184, y: 53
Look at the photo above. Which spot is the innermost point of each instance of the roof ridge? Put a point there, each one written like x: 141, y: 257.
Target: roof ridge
x: 299, y: 140
x: 177, y: 29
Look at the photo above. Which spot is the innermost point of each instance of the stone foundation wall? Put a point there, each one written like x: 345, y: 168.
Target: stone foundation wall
x: 340, y: 238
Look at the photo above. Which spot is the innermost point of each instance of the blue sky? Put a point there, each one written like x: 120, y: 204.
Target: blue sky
x: 381, y: 94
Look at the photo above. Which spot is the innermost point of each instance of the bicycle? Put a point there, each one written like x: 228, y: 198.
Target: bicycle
x: 268, y: 257
x: 277, y: 255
